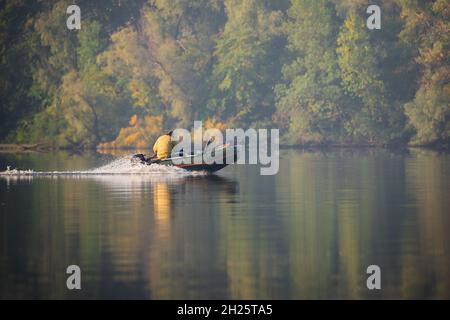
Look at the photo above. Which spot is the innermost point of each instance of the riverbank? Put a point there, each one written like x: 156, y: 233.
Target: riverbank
x: 43, y: 147
x: 26, y: 148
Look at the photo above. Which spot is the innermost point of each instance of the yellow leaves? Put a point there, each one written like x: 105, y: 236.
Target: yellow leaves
x: 124, y: 54
x: 442, y: 7
x: 134, y: 137
x: 350, y: 22
x: 433, y: 55
x: 140, y: 135
x: 225, y: 84
x: 215, y: 124
x: 139, y: 93
x: 124, y: 43
x: 133, y: 120
x: 142, y: 144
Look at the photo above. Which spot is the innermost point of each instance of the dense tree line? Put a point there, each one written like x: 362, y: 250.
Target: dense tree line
x: 309, y: 67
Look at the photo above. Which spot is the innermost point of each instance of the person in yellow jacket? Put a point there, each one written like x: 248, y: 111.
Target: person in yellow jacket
x: 163, y: 146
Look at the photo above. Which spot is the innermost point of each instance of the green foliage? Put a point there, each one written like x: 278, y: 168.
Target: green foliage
x: 248, y: 62
x: 89, y: 45
x: 308, y: 67
x: 429, y: 114
x: 308, y: 101
x: 367, y: 109
x: 15, y: 78
x: 427, y: 25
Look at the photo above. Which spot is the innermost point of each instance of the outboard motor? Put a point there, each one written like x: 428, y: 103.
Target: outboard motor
x: 140, y: 158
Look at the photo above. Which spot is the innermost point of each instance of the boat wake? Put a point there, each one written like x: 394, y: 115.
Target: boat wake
x: 122, y: 166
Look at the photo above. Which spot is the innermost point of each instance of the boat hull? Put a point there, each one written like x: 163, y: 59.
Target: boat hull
x: 193, y: 162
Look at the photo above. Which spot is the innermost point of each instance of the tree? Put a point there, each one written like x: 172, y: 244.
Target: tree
x: 309, y: 99
x: 427, y: 26
x: 57, y: 56
x: 15, y: 75
x: 358, y: 65
x: 248, y: 62
x: 311, y: 68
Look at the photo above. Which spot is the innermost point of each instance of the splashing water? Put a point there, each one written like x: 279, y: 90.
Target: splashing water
x: 122, y: 166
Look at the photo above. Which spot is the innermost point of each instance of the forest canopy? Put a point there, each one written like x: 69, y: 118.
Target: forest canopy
x: 308, y: 67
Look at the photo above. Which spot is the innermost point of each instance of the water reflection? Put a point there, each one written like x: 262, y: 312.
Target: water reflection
x: 309, y: 232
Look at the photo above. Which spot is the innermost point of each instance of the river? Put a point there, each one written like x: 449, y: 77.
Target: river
x: 308, y: 232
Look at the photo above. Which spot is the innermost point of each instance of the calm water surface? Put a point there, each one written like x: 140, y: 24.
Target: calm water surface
x: 308, y: 232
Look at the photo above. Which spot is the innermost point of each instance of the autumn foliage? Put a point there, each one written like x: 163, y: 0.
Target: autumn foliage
x: 310, y: 68
x: 141, y: 134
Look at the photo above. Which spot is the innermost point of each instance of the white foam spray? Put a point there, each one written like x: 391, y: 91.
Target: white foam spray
x: 122, y: 166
